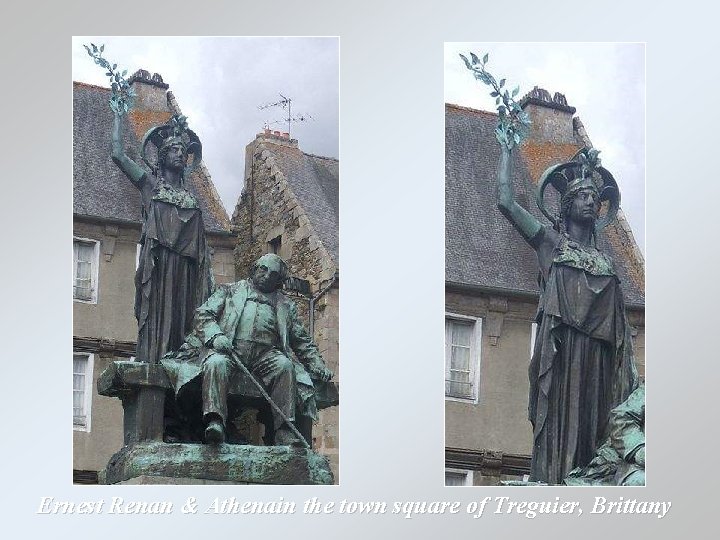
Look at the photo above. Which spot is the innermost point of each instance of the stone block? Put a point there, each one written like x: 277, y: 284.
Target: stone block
x: 224, y: 463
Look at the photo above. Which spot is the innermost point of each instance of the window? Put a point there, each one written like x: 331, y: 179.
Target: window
x: 223, y: 265
x: 274, y: 245
x: 85, y: 268
x: 457, y: 477
x: 462, y: 357
x: 82, y: 390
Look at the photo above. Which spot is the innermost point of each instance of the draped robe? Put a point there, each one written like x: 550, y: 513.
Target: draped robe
x: 173, y: 276
x: 582, y: 365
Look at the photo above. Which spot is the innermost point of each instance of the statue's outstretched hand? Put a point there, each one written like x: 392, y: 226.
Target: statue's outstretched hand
x: 222, y: 343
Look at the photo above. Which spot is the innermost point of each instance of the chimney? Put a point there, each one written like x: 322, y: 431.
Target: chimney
x: 279, y: 138
x: 150, y: 90
x: 552, y: 117
x: 276, y: 137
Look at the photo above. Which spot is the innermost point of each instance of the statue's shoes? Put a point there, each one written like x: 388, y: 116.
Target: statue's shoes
x: 214, y: 433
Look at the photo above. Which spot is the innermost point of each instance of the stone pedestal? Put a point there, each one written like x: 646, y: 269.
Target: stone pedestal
x: 181, y: 463
x: 146, y: 458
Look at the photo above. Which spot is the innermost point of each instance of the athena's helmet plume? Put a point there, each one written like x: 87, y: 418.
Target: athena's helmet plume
x: 581, y: 172
x: 175, y: 131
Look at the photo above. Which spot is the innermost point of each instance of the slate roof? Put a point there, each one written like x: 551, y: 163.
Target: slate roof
x: 482, y: 249
x: 314, y: 180
x: 100, y: 189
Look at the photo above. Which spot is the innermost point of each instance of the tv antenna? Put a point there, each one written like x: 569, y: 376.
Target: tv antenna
x: 285, y: 103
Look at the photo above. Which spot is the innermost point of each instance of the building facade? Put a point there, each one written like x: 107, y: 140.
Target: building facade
x: 491, y: 286
x: 106, y: 232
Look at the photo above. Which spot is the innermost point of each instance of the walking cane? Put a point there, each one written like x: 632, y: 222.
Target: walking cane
x: 267, y: 397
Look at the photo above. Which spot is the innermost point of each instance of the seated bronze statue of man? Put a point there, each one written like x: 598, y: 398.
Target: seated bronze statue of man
x: 251, y: 329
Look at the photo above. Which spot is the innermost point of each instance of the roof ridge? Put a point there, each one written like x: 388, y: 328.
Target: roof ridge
x: 88, y: 85
x: 321, y: 157
x: 469, y: 109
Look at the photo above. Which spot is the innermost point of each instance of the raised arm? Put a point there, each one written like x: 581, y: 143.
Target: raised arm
x: 522, y: 220
x: 131, y: 169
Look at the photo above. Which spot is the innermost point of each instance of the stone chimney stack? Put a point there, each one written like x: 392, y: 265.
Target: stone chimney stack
x: 276, y: 137
x: 267, y: 136
x: 150, y: 90
x: 552, y: 117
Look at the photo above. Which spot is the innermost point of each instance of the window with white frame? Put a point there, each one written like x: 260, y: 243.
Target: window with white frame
x: 85, y: 269
x: 82, y: 390
x: 458, y: 477
x: 462, y: 357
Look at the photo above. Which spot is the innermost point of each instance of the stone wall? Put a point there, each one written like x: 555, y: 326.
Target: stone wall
x: 549, y: 124
x: 267, y: 211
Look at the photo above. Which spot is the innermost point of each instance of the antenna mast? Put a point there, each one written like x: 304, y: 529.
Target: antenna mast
x: 285, y: 103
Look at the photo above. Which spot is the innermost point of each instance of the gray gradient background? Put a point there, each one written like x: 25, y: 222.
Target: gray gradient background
x: 391, y: 149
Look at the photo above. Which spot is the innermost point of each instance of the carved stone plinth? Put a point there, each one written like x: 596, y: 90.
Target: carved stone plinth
x: 141, y: 387
x: 237, y: 464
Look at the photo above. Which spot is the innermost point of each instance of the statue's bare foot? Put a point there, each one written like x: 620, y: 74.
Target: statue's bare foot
x: 214, y: 433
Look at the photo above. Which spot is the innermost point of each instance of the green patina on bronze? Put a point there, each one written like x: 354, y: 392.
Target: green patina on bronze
x: 122, y: 95
x: 179, y: 197
x: 583, y: 258
x: 513, y: 123
x: 250, y: 329
x: 620, y: 461
x: 221, y: 463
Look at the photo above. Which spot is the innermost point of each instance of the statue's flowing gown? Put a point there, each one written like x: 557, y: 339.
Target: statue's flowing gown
x: 173, y: 276
x: 582, y: 365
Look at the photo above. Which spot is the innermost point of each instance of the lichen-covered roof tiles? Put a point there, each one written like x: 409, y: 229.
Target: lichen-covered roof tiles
x: 482, y: 249
x: 100, y: 189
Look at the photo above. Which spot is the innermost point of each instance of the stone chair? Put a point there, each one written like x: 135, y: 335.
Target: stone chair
x: 160, y: 439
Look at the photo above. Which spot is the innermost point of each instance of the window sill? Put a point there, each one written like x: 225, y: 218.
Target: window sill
x: 91, y: 302
x: 471, y: 401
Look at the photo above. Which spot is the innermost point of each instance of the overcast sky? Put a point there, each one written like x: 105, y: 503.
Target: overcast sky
x: 219, y: 84
x: 604, y: 81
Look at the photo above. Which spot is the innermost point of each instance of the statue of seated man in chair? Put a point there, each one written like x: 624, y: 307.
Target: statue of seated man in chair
x: 248, y: 334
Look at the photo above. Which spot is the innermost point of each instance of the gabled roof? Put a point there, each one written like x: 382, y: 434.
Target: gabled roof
x: 314, y: 180
x: 482, y: 248
x: 100, y: 189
